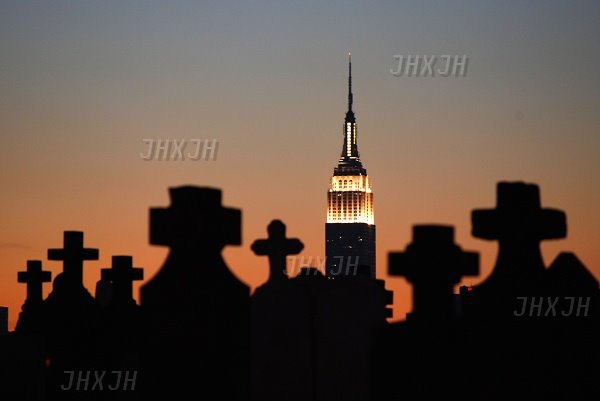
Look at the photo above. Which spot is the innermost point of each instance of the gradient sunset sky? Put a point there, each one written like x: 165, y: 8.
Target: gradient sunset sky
x: 82, y: 84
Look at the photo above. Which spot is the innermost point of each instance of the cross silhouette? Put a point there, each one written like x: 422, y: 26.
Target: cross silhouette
x: 195, y: 218
x: 73, y: 254
x: 519, y: 224
x: 34, y: 277
x: 122, y: 274
x: 433, y: 264
x: 277, y: 247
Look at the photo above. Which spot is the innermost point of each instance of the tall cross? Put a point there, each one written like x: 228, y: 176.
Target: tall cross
x: 277, y: 247
x: 122, y: 274
x: 73, y: 254
x: 433, y: 264
x: 519, y: 223
x: 34, y: 277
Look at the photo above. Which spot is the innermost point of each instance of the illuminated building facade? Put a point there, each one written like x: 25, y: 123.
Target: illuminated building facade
x: 350, y: 227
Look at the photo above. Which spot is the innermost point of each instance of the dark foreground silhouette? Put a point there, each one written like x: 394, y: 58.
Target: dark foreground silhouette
x: 527, y: 332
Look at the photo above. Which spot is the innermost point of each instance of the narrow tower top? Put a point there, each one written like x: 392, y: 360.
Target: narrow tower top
x: 349, y: 163
x: 350, y: 113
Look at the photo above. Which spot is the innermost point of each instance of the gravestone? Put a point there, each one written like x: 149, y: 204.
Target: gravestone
x: 34, y: 276
x: 277, y: 247
x: 121, y: 275
x: 71, y: 317
x: 418, y: 358
x: 73, y: 254
x: 433, y: 264
x: 519, y: 224
x: 197, y: 312
x: 30, y: 318
x: 280, y: 329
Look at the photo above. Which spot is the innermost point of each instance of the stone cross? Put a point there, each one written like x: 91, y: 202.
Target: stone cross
x: 433, y: 264
x: 277, y: 247
x: 122, y: 274
x: 519, y: 224
x: 73, y: 254
x: 34, y: 277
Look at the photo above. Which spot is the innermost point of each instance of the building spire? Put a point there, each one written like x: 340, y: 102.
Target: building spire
x: 350, y: 82
x: 350, y: 149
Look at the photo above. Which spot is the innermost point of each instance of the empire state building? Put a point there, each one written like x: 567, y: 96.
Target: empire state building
x: 350, y: 227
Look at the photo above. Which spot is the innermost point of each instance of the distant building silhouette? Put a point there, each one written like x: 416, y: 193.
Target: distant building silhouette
x: 350, y: 227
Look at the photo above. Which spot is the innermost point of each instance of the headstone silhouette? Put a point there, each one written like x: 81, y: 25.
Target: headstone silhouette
x: 519, y: 224
x: 280, y: 329
x: 512, y: 315
x: 30, y: 316
x: 122, y: 325
x: 429, y: 343
x: 197, y: 311
x: 122, y: 274
x: 25, y: 378
x: 277, y: 247
x: 71, y: 317
x: 34, y: 276
x: 73, y: 254
x: 433, y: 264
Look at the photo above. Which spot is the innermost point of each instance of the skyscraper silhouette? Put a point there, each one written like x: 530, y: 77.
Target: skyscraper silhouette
x: 350, y: 227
